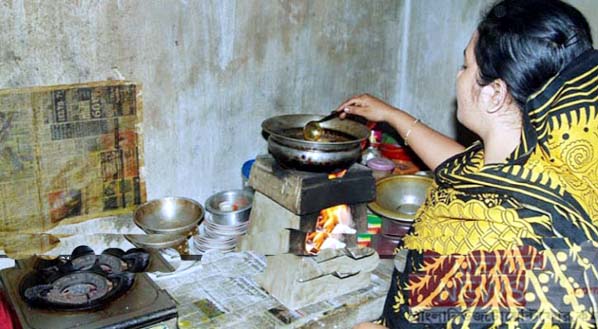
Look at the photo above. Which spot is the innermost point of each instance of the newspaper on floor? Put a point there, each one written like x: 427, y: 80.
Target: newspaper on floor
x: 221, y: 292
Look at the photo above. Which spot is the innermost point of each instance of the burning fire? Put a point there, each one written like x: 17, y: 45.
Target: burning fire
x: 331, y: 224
x: 337, y: 174
x: 314, y: 241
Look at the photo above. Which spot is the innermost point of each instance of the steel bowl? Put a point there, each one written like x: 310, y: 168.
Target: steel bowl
x: 398, y: 197
x: 156, y: 241
x: 230, y: 207
x: 169, y: 215
x: 426, y: 173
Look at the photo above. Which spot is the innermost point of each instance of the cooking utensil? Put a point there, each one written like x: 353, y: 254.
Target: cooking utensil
x: 426, y: 173
x: 338, y: 148
x: 399, y: 197
x: 313, y: 130
x: 169, y: 215
x: 204, y: 242
x: 156, y: 241
x: 230, y: 207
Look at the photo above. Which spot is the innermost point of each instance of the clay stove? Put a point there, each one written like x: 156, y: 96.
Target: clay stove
x: 310, y: 259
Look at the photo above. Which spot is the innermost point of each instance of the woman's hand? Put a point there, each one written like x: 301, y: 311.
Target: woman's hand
x: 369, y: 107
x: 430, y: 146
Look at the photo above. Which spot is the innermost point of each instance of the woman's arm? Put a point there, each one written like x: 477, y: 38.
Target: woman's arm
x: 430, y: 146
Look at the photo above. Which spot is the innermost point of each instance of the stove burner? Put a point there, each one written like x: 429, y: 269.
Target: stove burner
x: 79, y: 291
x: 83, y: 281
x: 79, y: 288
x: 108, y: 263
x: 112, y: 260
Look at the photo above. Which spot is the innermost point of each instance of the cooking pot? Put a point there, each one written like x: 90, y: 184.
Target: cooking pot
x: 339, y: 147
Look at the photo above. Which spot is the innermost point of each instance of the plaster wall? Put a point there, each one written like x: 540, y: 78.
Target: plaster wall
x: 213, y: 70
x: 435, y: 33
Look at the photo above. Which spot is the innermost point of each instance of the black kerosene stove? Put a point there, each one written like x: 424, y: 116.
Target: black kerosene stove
x: 86, y: 290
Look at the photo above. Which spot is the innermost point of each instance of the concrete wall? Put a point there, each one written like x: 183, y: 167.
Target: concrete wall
x: 213, y: 70
x: 432, y: 52
x: 435, y: 34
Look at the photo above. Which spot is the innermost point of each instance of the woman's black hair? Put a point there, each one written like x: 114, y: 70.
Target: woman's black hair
x: 526, y: 42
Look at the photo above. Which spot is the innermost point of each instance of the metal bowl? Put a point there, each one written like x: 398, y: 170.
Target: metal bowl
x: 170, y: 215
x: 156, y: 241
x: 398, y: 197
x: 230, y: 207
x: 426, y: 173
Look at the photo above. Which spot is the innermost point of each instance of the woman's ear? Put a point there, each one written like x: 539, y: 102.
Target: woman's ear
x: 495, y: 96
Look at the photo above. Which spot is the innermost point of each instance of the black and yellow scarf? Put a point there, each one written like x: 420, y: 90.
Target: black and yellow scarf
x: 513, y: 244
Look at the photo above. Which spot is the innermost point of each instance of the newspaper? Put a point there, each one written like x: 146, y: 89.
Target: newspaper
x: 67, y: 153
x: 221, y: 292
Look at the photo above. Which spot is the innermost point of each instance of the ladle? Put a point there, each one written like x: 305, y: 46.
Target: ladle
x: 313, y: 131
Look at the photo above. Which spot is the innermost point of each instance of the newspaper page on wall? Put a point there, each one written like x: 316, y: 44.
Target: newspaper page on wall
x: 67, y: 153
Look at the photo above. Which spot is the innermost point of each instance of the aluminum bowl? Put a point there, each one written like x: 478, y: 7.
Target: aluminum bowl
x: 398, y: 197
x: 230, y: 207
x: 156, y: 241
x: 170, y: 215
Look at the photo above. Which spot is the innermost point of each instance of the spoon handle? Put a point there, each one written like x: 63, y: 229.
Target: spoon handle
x: 330, y: 116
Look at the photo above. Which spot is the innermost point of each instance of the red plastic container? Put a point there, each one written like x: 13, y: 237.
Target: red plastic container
x: 394, y: 152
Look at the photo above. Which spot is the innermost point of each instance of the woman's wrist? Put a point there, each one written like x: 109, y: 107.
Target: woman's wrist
x: 400, y: 120
x: 410, y: 129
x: 392, y: 115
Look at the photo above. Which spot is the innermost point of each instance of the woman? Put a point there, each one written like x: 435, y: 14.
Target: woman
x: 507, y: 236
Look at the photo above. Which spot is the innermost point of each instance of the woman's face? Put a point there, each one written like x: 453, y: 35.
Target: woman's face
x: 468, y: 90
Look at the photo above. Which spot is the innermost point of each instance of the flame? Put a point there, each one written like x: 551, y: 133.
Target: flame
x: 337, y: 174
x: 314, y: 241
x: 330, y: 217
x: 331, y: 221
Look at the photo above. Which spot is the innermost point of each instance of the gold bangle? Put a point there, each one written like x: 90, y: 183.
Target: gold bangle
x: 409, y: 131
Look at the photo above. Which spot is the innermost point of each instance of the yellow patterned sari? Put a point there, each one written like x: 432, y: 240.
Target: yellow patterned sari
x: 512, y: 245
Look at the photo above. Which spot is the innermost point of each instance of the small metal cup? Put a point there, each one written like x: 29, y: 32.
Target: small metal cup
x: 230, y: 207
